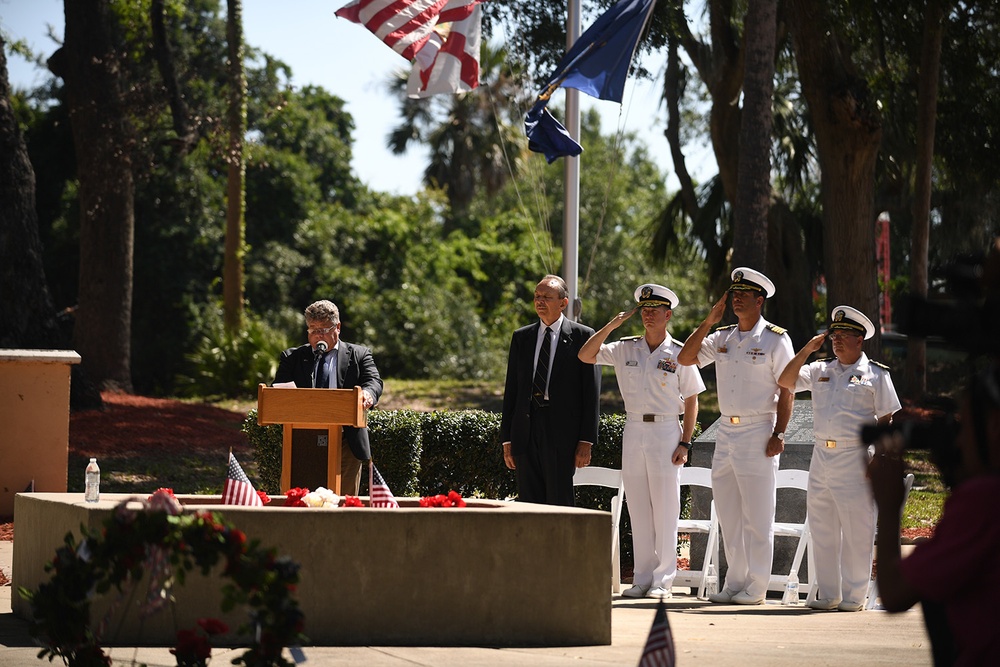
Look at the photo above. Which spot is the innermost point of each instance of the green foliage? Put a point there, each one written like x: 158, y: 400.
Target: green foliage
x: 462, y: 452
x: 396, y: 441
x: 232, y: 364
x: 265, y: 444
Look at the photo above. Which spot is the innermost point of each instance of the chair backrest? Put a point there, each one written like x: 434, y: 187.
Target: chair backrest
x: 791, y: 478
x: 695, y: 476
x: 598, y: 476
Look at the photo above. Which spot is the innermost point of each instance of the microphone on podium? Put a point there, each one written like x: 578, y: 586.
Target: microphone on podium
x: 321, y: 348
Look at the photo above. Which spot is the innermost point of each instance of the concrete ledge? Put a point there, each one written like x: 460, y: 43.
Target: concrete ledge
x: 491, y: 574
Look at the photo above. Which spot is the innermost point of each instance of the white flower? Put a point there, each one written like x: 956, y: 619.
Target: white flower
x: 321, y: 497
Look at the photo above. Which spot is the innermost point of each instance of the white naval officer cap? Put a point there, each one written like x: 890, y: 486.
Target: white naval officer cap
x: 745, y: 278
x: 851, y: 319
x: 655, y: 295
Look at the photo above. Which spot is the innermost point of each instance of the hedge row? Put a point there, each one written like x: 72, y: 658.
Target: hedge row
x: 426, y: 453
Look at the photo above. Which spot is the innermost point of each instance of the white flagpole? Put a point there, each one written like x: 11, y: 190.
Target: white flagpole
x: 571, y: 206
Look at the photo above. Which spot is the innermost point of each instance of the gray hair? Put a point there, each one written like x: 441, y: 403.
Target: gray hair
x: 323, y: 311
x: 558, y: 283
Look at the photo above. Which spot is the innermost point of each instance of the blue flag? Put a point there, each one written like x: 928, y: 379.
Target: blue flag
x: 597, y: 64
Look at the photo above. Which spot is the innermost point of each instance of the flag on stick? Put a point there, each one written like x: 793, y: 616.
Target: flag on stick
x: 443, y: 37
x: 378, y: 490
x: 238, y: 490
x: 596, y: 64
x: 659, y: 650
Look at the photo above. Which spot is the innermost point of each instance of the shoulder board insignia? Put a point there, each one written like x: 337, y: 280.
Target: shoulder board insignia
x: 631, y: 337
x: 728, y: 326
x: 776, y: 329
x: 880, y: 365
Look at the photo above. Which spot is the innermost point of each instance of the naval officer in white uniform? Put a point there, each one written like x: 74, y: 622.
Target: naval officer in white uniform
x: 656, y: 390
x: 849, y: 391
x: 749, y: 356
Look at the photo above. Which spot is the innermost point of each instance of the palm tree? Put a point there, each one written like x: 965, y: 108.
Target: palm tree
x: 474, y: 138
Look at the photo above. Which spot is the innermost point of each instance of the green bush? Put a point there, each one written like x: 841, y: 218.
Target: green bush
x: 462, y: 452
x: 231, y: 364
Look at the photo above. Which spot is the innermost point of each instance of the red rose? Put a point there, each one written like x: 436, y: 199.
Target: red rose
x: 264, y: 498
x: 213, y: 626
x: 353, y: 501
x: 293, y: 497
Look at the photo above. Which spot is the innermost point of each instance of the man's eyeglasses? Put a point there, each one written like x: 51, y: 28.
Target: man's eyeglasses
x: 320, y: 332
x: 841, y: 335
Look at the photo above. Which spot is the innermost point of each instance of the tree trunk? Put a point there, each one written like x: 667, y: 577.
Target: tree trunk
x: 927, y: 94
x: 753, y: 197
x: 27, y: 318
x: 848, y: 131
x: 232, y: 270
x: 89, y: 63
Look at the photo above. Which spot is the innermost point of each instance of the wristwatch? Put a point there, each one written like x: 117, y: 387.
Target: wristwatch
x: 779, y: 436
x: 686, y: 445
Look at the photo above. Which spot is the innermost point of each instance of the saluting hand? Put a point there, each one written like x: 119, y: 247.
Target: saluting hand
x: 815, y: 342
x: 718, y: 310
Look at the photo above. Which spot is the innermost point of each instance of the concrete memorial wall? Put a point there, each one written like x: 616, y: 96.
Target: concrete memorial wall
x: 491, y: 574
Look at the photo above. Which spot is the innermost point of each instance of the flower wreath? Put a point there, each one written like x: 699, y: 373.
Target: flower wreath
x: 168, y: 544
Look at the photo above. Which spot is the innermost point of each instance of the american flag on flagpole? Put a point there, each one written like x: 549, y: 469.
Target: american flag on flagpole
x: 442, y: 36
x: 659, y: 650
x: 238, y: 490
x: 378, y: 490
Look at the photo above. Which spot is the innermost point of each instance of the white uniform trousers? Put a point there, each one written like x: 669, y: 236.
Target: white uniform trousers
x: 653, y: 498
x: 842, y: 520
x: 743, y: 485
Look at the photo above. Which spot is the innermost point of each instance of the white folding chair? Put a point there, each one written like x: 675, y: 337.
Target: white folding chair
x: 612, y: 479
x: 708, y: 575
x: 871, y: 602
x: 795, y: 479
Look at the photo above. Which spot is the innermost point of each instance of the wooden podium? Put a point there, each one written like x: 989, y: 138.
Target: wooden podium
x: 322, y: 409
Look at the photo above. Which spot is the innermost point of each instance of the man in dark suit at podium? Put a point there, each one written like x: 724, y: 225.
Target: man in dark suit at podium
x: 328, y: 362
x: 550, y: 401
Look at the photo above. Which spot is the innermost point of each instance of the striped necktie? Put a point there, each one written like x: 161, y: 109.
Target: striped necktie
x: 542, y: 370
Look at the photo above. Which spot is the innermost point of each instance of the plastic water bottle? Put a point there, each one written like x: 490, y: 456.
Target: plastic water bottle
x: 712, y: 585
x: 93, y: 492
x: 791, y: 596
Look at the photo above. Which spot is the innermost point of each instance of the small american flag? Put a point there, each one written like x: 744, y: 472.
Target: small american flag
x: 238, y: 490
x: 378, y: 490
x: 659, y: 650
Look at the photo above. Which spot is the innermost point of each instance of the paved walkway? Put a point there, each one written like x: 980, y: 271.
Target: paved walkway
x: 704, y: 633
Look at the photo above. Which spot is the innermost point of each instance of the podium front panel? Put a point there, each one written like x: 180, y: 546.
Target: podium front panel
x: 310, y: 456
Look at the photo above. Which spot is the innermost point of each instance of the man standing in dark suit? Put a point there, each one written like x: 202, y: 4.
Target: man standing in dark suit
x: 328, y: 362
x: 550, y: 403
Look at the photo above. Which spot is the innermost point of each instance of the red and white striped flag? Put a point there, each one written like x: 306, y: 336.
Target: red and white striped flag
x: 659, y: 650
x: 378, y: 490
x: 238, y: 490
x: 447, y: 57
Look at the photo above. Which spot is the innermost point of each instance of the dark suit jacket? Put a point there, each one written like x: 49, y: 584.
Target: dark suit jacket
x: 574, y: 390
x: 355, y: 368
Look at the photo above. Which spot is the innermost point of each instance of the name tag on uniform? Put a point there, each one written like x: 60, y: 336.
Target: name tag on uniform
x: 723, y: 349
x: 825, y: 378
x: 631, y: 362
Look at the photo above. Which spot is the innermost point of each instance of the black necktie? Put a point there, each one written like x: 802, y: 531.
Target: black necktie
x: 322, y: 377
x: 542, y: 371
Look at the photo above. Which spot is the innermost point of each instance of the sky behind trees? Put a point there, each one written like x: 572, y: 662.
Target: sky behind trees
x: 326, y: 51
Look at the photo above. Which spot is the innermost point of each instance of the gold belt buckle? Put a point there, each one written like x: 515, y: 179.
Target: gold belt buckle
x: 831, y: 444
x: 734, y: 420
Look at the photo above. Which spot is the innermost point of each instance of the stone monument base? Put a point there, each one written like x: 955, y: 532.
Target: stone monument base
x: 491, y: 574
